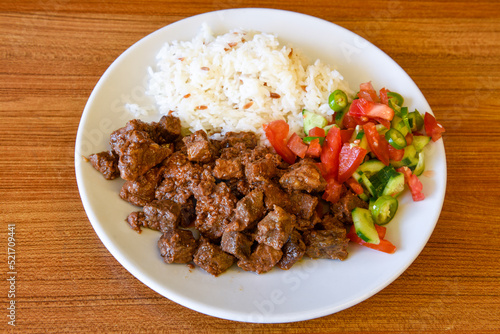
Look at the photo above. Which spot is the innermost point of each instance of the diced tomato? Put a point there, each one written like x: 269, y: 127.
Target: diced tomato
x: 277, y: 134
x: 409, y: 138
x: 432, y: 127
x: 414, y: 184
x: 333, y: 190
x: 381, y: 230
x: 367, y: 92
x: 296, y: 145
x: 384, y: 245
x: 362, y: 107
x: 317, y: 132
x: 349, y: 160
x: 346, y: 135
x: 354, y: 185
x: 331, y: 151
x: 383, y: 96
x: 384, y: 122
x: 378, y: 144
x: 349, y: 122
x: 314, y: 149
x: 395, y: 154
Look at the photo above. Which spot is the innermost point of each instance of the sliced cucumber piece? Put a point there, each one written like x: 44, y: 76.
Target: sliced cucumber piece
x: 381, y: 178
x: 398, y: 124
x: 364, y: 225
x: 368, y: 185
x: 419, y: 169
x: 395, y: 185
x: 419, y: 142
x: 312, y: 120
x: 371, y: 167
x: 410, y: 158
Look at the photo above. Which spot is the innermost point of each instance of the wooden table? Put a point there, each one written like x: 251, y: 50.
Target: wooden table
x: 53, y: 53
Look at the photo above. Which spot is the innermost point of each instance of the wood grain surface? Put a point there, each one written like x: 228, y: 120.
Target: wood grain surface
x: 53, y: 53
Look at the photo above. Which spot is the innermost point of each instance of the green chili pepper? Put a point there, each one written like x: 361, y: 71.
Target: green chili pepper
x: 416, y: 120
x: 395, y: 138
x: 337, y: 100
x: 383, y: 209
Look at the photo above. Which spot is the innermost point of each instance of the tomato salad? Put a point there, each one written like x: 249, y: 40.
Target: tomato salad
x: 373, y: 145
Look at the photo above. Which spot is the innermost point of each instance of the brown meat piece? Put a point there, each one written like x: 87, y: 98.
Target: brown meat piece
x: 326, y: 244
x: 168, y: 129
x: 240, y: 139
x: 226, y: 169
x: 119, y: 138
x: 199, y: 147
x: 248, y: 210
x: 212, y: 258
x: 142, y: 191
x: 263, y: 259
x: 106, y: 163
x: 177, y: 246
x: 275, y: 228
x: 303, y: 176
x: 260, y: 170
x: 274, y: 195
x: 166, y: 212
x: 303, y: 205
x: 136, y: 220
x: 213, y: 212
x: 342, y: 209
x: 293, y: 251
x: 138, y: 154
x: 236, y: 243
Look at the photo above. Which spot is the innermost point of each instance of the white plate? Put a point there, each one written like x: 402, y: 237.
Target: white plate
x: 312, y: 288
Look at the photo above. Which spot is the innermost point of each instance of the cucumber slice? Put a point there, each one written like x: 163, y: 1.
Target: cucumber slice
x: 395, y: 185
x: 364, y: 225
x: 420, y: 165
x: 312, y: 120
x: 419, y: 142
x: 398, y: 124
x: 368, y: 185
x: 380, y: 179
x: 371, y: 167
x: 410, y: 158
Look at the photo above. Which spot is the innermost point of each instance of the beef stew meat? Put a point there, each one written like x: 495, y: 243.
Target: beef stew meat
x: 246, y: 204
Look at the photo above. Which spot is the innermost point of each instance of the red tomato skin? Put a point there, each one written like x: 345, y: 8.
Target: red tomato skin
x: 314, y: 149
x: 367, y: 92
x: 354, y: 185
x: 297, y: 146
x: 277, y: 133
x: 414, y: 184
x: 362, y: 107
x: 384, y: 245
x: 432, y: 127
x: 349, y: 160
x: 333, y: 190
x: 383, y: 96
x: 317, y: 132
x: 395, y: 154
x: 378, y: 144
x: 331, y: 151
x: 346, y: 135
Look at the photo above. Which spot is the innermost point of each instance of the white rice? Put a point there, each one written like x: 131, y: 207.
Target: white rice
x: 225, y: 83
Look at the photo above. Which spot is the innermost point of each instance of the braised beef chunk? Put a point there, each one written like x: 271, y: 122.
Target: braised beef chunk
x: 245, y: 203
x: 263, y: 259
x: 248, y: 210
x: 199, y: 147
x: 293, y: 250
x: 168, y: 129
x: 213, y: 212
x: 303, y: 176
x: 327, y: 244
x: 107, y: 163
x: 226, y: 169
x: 136, y: 220
x: 274, y: 195
x: 177, y: 246
x: 346, y: 204
x: 236, y: 243
x: 166, y: 212
x: 139, y: 154
x: 142, y: 191
x: 275, y: 228
x: 212, y: 258
x: 246, y: 139
x: 303, y: 204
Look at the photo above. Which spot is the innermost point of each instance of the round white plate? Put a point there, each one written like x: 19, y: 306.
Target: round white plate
x: 312, y: 288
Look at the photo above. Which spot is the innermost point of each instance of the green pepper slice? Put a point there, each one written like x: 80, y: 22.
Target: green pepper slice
x: 416, y: 121
x: 337, y: 100
x: 395, y: 101
x: 395, y: 138
x: 383, y: 209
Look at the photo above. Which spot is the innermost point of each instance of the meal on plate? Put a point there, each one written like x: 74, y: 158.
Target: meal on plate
x: 261, y: 159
